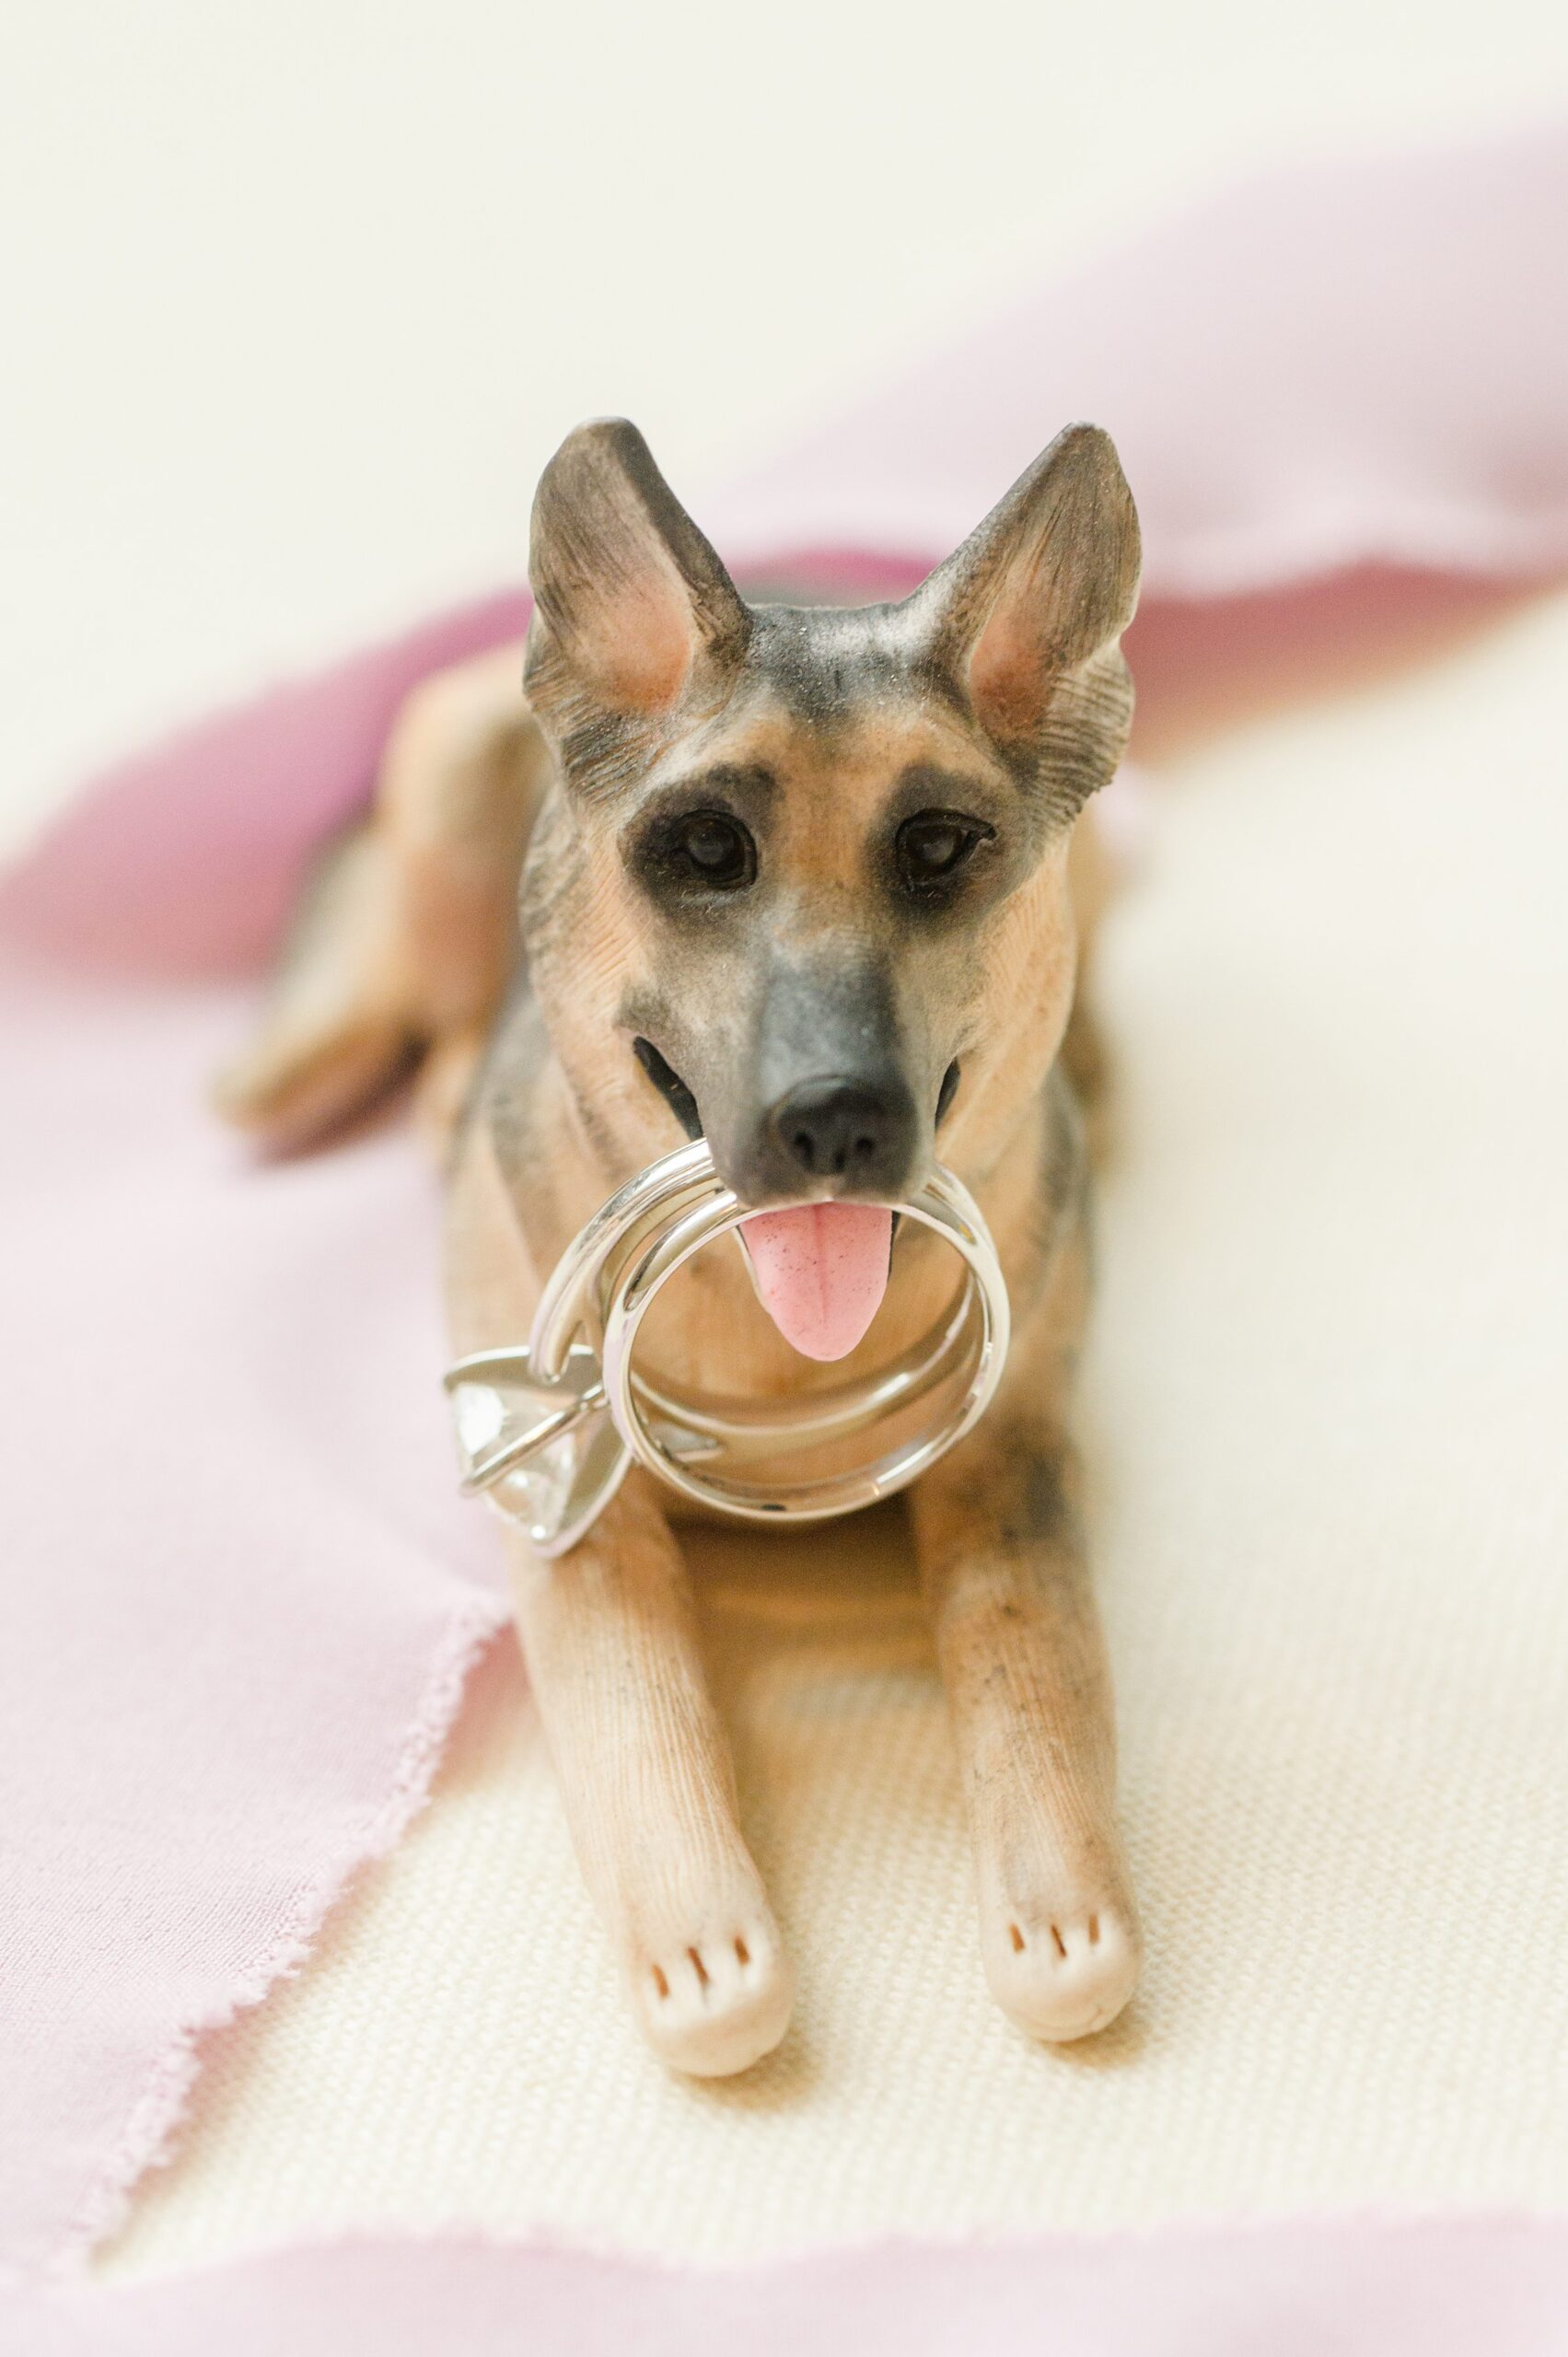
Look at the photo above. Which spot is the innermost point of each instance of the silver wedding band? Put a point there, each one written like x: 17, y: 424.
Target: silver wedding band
x: 548, y: 1431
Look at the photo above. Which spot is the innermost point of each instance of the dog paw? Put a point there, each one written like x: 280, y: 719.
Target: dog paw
x: 718, y: 2001
x: 1062, y: 1971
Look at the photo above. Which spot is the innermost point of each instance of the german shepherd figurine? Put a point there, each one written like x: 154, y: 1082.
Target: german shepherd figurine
x: 794, y: 878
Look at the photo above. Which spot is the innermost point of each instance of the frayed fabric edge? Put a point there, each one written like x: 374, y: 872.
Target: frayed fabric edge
x: 1385, y: 2218
x: 151, y: 2133
x: 1361, y: 2281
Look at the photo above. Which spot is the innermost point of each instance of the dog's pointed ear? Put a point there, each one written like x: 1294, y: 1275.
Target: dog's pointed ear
x: 1048, y: 582
x: 629, y: 597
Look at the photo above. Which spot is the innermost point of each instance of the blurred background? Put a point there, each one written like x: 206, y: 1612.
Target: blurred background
x: 298, y: 297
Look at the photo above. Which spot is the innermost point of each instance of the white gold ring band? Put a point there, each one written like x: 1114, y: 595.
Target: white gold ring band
x: 547, y: 1431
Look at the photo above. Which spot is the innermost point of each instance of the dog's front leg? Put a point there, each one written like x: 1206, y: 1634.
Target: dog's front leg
x: 610, y: 1642
x: 1003, y: 1563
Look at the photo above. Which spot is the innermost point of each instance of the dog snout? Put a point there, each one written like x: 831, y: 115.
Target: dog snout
x: 846, y: 1130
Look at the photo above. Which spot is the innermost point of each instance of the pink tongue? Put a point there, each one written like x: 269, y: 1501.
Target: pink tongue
x: 821, y: 1270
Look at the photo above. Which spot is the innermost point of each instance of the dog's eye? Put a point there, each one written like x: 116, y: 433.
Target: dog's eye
x: 933, y: 845
x: 712, y: 848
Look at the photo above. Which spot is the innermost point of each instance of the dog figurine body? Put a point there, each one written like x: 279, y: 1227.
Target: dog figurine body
x: 801, y: 880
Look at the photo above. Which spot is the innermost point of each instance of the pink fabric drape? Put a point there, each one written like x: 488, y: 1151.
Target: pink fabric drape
x: 1351, y: 2288
x: 241, y: 1597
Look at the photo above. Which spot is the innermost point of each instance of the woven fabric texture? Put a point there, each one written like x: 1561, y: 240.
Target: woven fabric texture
x: 1324, y: 1410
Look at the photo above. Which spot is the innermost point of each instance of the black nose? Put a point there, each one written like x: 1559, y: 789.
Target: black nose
x: 842, y: 1129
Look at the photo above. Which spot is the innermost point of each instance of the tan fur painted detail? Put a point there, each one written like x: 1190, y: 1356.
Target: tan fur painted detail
x: 417, y: 947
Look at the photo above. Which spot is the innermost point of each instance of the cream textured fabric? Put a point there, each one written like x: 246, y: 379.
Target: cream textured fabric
x: 1325, y: 1411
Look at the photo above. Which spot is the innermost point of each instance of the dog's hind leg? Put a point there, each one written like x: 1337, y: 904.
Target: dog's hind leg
x: 407, y: 935
x: 336, y: 1026
x: 1003, y: 1562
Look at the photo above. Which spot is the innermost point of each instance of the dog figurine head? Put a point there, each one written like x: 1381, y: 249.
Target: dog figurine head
x: 808, y: 865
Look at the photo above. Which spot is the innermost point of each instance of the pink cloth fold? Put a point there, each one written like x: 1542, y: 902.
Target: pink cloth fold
x: 1334, y: 367
x: 241, y: 1594
x: 1358, y: 2289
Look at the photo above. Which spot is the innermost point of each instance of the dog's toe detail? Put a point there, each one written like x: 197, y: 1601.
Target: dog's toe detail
x: 715, y: 2005
x: 1066, y: 1972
